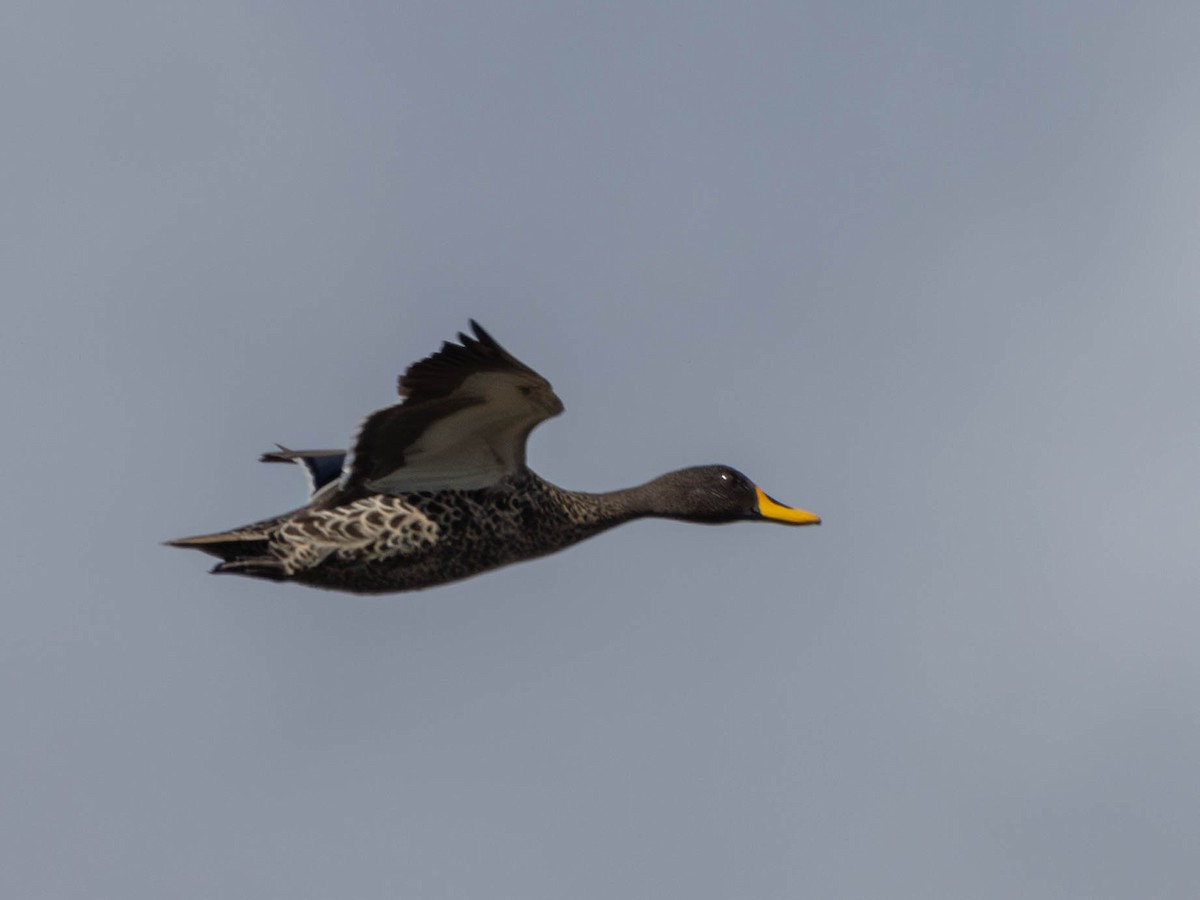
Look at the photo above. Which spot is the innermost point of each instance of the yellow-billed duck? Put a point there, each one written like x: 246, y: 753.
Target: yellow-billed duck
x: 435, y: 488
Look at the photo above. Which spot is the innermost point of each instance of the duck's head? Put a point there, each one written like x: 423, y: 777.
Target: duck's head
x: 716, y: 494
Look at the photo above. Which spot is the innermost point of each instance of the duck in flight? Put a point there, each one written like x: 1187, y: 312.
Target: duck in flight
x: 435, y: 488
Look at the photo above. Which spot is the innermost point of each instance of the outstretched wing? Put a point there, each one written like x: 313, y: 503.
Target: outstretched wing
x: 466, y: 414
x: 321, y: 467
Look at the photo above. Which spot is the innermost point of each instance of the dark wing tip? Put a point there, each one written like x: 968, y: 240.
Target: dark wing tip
x: 439, y: 374
x: 282, y: 455
x: 482, y: 335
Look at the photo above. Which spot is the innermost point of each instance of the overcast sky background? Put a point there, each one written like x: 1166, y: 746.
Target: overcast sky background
x: 928, y: 269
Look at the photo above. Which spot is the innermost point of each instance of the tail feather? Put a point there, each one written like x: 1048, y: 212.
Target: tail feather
x: 227, y: 545
x: 242, y: 551
x: 256, y: 567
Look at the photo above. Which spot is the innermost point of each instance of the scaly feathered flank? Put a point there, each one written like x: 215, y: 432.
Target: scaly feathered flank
x: 435, y: 488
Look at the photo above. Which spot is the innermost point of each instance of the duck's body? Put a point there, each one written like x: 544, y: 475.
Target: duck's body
x: 437, y: 489
x: 381, y: 543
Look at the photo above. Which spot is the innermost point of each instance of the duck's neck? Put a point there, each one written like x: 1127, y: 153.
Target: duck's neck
x: 610, y: 508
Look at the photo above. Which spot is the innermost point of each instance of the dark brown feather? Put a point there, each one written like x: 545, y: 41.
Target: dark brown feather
x: 442, y: 373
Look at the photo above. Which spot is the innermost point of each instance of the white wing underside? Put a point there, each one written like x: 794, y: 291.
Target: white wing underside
x: 454, y: 453
x: 473, y: 447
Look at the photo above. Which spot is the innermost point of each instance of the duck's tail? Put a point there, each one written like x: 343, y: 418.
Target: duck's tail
x: 242, y: 551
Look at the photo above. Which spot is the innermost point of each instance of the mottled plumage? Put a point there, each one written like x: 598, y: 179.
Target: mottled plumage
x: 436, y: 488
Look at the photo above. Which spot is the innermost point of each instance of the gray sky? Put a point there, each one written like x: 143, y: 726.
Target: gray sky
x: 929, y: 269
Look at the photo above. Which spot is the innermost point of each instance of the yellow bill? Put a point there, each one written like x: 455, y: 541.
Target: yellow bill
x: 777, y: 512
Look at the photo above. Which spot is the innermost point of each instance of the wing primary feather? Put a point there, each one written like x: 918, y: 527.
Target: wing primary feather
x: 484, y: 338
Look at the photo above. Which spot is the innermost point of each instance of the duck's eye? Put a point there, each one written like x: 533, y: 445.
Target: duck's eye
x: 525, y: 389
